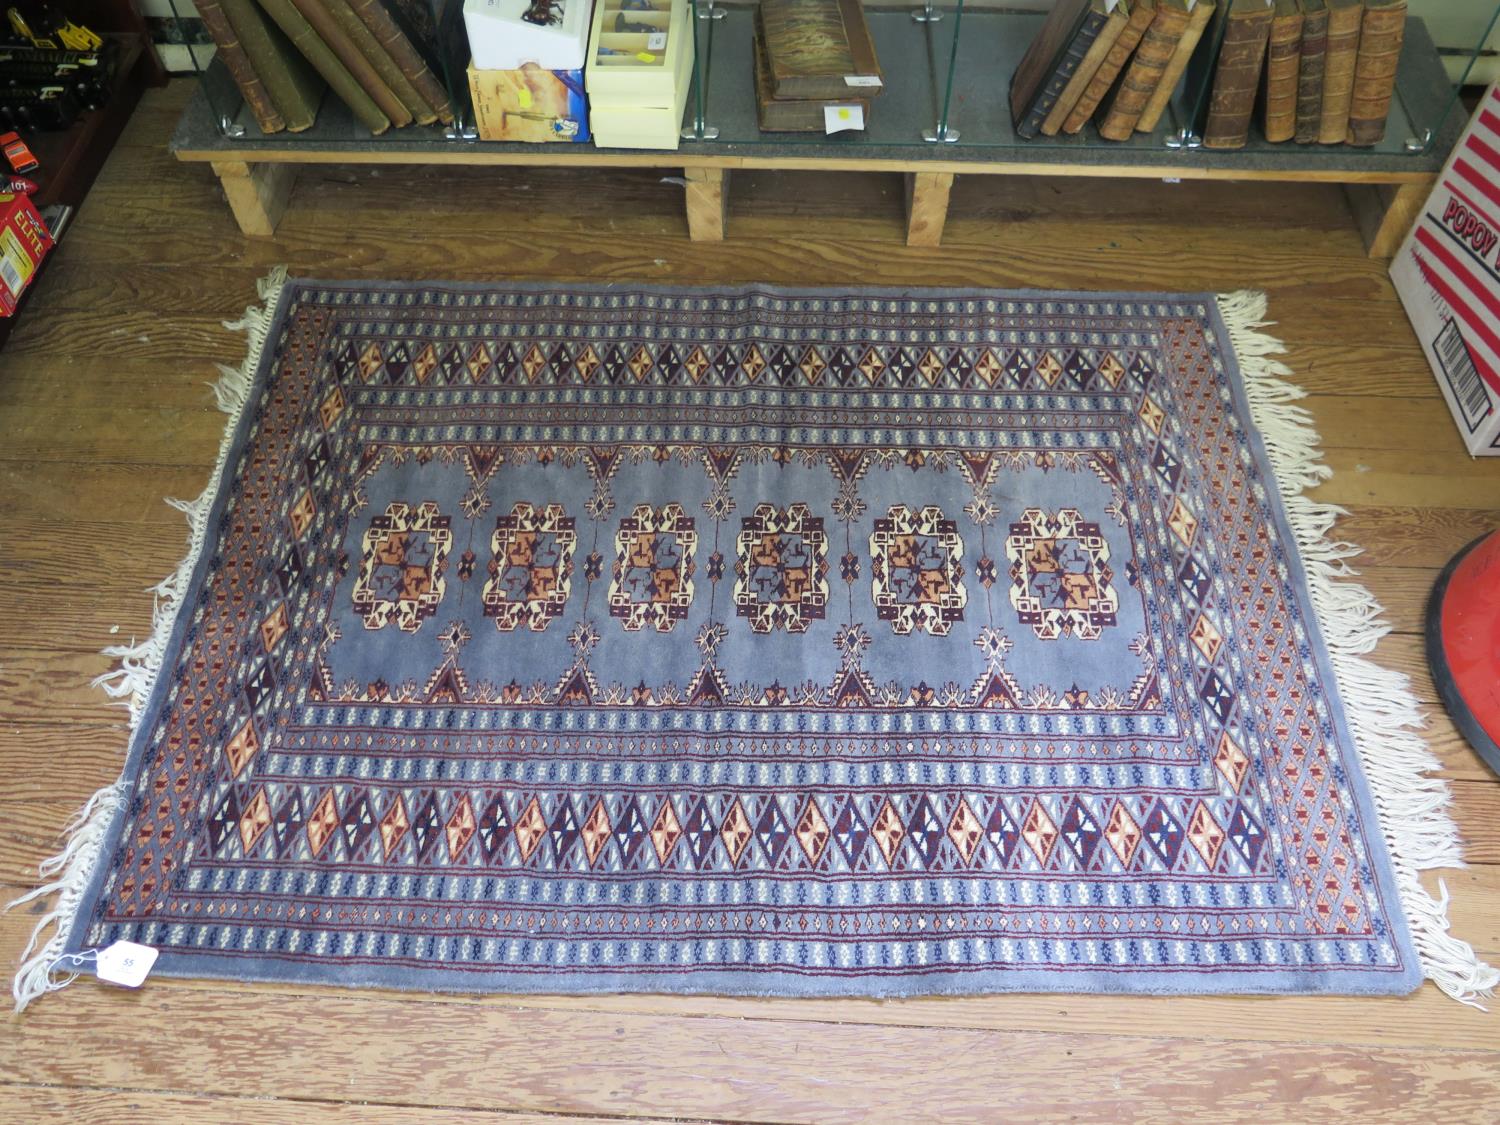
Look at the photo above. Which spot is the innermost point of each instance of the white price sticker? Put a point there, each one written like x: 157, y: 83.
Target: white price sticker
x: 656, y: 41
x: 861, y: 80
x: 125, y: 963
x: 837, y: 118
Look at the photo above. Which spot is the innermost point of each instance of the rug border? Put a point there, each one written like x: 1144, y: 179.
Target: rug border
x: 81, y: 864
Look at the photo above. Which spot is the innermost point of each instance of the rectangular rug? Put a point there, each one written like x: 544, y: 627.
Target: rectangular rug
x: 766, y: 641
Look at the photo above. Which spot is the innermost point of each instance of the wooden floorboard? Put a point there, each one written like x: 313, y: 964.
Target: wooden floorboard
x: 104, y: 410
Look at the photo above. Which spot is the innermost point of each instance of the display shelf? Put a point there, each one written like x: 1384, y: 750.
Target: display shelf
x: 915, y: 60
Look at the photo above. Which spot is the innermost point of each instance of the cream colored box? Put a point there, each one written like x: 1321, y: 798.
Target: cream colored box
x: 640, y: 53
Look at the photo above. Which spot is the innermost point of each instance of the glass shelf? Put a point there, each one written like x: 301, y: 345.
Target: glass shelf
x: 946, y: 70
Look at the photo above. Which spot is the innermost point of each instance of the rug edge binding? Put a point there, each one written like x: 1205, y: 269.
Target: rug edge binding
x: 1411, y: 803
x: 70, y: 872
x: 1382, y: 712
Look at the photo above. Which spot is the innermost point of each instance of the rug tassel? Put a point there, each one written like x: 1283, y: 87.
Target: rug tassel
x: 1384, y: 718
x: 68, y: 874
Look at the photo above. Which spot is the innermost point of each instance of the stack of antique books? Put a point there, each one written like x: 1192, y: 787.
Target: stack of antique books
x: 815, y: 66
x: 378, y: 56
x: 1320, y: 71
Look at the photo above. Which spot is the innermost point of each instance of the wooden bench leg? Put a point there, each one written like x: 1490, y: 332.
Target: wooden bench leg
x: 1385, y: 212
x: 707, y: 203
x: 257, y: 195
x: 926, y: 207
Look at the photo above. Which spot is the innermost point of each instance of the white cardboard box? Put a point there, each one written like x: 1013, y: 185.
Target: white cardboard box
x: 1448, y: 277
x: 501, y: 40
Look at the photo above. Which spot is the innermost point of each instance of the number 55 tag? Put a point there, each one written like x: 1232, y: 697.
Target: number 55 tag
x: 125, y: 963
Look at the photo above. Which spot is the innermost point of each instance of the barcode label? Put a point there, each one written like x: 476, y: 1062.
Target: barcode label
x: 11, y: 276
x: 1463, y: 376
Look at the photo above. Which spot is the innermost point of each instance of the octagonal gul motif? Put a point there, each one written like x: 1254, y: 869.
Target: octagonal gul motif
x: 532, y: 568
x: 652, y: 580
x: 402, y: 559
x: 916, y: 573
x: 1060, y: 575
x: 781, y: 572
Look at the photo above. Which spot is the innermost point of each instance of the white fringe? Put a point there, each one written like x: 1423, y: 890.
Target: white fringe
x: 1383, y: 714
x: 68, y: 873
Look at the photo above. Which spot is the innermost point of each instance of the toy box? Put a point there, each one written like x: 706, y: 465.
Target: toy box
x: 505, y: 34
x: 1447, y: 274
x: 529, y: 104
x: 24, y: 242
x: 640, y: 67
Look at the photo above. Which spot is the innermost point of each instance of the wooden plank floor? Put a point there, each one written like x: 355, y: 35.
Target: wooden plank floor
x: 104, y: 411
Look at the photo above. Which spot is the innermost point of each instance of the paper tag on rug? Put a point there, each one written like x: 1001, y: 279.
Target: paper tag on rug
x: 125, y: 963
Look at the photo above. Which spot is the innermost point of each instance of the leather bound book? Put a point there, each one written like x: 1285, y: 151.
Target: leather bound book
x: 1042, y: 53
x: 1142, y: 12
x: 1202, y: 12
x: 385, y: 66
x: 294, y: 88
x: 790, y: 115
x: 1116, y: 22
x: 1310, y: 71
x: 405, y: 55
x: 1145, y: 71
x: 227, y: 46
x: 320, y: 18
x: 325, y: 62
x: 815, y: 47
x: 1283, y: 59
x: 1344, y: 18
x: 1381, y: 34
x: 1063, y: 69
x: 1237, y: 73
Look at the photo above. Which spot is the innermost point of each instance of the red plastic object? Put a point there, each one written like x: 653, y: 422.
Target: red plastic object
x: 21, y: 158
x: 1463, y: 644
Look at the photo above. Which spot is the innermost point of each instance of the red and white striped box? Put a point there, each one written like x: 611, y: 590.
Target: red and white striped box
x: 1448, y: 277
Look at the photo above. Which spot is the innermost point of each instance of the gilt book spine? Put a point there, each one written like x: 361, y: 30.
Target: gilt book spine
x: 405, y: 55
x: 1062, y: 73
x: 317, y: 14
x: 377, y: 56
x: 1157, y: 104
x: 1310, y: 71
x: 1344, y: 18
x: 1382, y: 32
x: 1283, y: 58
x: 1087, y: 68
x: 1237, y: 74
x: 1142, y: 12
x: 1146, y: 69
x: 326, y: 63
x: 227, y: 46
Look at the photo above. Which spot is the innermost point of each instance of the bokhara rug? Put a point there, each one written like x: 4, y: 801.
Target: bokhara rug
x: 760, y: 641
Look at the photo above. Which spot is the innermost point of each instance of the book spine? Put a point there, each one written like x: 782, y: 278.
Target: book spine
x: 1338, y: 73
x: 1085, y: 72
x: 365, y: 42
x: 1382, y: 32
x: 1145, y: 73
x: 1067, y: 66
x: 1310, y: 77
x: 316, y: 13
x: 1157, y: 105
x: 1283, y: 58
x: 294, y: 90
x: 1141, y: 15
x: 374, y: 16
x: 227, y: 43
x: 326, y: 63
x: 1236, y: 78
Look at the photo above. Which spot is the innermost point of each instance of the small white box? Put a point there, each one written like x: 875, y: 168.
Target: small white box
x: 501, y: 39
